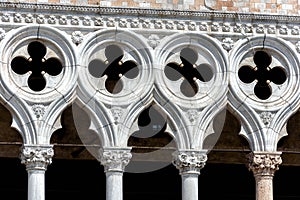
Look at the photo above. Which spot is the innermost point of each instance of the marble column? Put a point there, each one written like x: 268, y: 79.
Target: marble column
x: 36, y: 158
x: 114, y: 161
x: 189, y: 164
x: 264, y: 165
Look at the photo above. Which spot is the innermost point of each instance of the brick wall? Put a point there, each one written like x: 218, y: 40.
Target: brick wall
x: 285, y: 7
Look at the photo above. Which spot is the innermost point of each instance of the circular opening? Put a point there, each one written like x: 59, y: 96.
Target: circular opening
x: 188, y: 55
x: 36, y: 50
x: 262, y: 59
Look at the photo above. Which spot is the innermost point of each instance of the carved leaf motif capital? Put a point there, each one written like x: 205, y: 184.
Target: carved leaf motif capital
x: 115, y: 160
x: 264, y: 163
x: 36, y: 157
x: 189, y: 162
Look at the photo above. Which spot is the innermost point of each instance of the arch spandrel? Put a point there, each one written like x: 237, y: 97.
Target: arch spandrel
x: 196, y: 111
x: 35, y: 110
x: 263, y: 118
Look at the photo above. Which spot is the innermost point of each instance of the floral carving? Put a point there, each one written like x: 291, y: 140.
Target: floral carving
x: 40, y: 19
x: 262, y: 163
x: 36, y: 157
x: 52, y: 19
x: 17, y: 18
x: 29, y: 18
x: 63, y: 20
x: 5, y: 17
x: 77, y: 37
x: 75, y: 20
x: 153, y: 40
x: 189, y: 161
x: 115, y: 159
x: 98, y: 21
x: 135, y: 23
x: 86, y: 21
x: 123, y: 23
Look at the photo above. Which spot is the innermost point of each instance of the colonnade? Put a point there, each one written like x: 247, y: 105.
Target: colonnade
x: 36, y: 158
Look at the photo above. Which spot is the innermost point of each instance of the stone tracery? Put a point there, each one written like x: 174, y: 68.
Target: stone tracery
x: 262, y: 121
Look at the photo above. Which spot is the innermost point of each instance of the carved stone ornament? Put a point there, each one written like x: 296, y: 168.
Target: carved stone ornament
x: 189, y: 162
x: 115, y: 160
x: 264, y: 163
x: 36, y: 157
x: 153, y: 40
x: 117, y: 113
x: 77, y: 37
x: 192, y: 115
x: 227, y: 44
x: 266, y: 117
x: 39, y: 110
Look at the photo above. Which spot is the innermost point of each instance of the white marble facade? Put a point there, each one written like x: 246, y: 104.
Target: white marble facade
x: 73, y: 37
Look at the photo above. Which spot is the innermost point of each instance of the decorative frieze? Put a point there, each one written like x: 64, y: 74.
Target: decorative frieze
x: 36, y: 157
x: 114, y: 159
x: 148, y: 19
x: 189, y: 161
x: 264, y: 163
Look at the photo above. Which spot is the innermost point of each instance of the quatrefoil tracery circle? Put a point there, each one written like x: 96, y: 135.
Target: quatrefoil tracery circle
x: 37, y: 65
x: 189, y: 70
x: 264, y: 73
x: 113, y: 65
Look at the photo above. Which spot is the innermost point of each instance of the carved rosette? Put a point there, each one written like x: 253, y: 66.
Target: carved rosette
x: 115, y: 160
x: 36, y: 157
x: 189, y: 162
x: 264, y: 163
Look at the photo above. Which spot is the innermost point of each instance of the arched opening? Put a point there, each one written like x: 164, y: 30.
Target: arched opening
x: 13, y: 173
x: 74, y: 173
x: 152, y: 149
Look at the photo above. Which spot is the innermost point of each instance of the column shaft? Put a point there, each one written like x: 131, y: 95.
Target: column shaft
x: 36, y: 185
x: 264, y: 188
x: 114, y: 185
x: 189, y: 186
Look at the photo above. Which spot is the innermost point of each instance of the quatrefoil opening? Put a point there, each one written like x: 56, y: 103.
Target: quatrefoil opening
x: 263, y: 74
x: 113, y: 68
x: 37, y: 65
x: 188, y: 71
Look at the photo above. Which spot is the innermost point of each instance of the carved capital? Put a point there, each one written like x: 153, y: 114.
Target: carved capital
x: 115, y: 159
x: 264, y: 163
x: 189, y: 162
x: 36, y: 157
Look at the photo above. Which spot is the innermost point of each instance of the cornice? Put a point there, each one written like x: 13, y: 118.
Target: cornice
x: 156, y: 13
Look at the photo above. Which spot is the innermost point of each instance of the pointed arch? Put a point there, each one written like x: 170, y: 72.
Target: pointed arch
x: 263, y: 120
x: 35, y: 113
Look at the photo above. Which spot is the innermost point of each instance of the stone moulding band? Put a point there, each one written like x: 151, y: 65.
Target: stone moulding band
x: 149, y: 12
